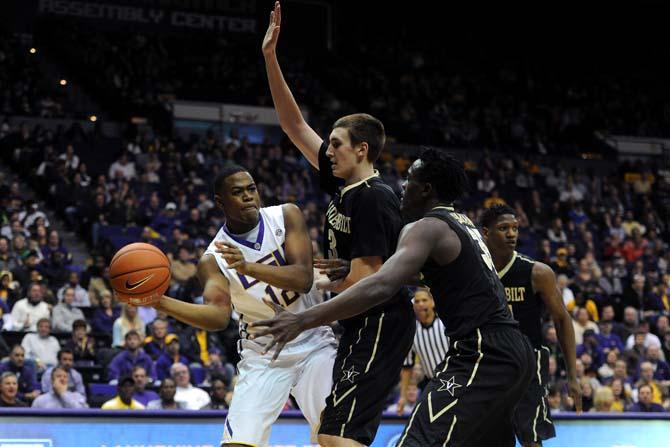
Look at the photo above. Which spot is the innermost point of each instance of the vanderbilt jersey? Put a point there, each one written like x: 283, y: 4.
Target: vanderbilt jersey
x: 247, y: 293
x: 467, y: 292
x: 527, y: 306
x: 363, y: 219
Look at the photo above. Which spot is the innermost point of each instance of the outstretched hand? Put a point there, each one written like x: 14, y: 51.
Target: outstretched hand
x: 284, y: 327
x: 272, y: 34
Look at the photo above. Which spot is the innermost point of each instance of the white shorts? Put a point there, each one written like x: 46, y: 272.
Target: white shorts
x: 263, y: 388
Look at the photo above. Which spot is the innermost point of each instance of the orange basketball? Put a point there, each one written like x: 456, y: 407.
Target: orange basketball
x: 140, y: 274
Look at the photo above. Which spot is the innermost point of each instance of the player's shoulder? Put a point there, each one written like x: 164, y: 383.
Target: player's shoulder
x: 524, y: 259
x: 375, y: 189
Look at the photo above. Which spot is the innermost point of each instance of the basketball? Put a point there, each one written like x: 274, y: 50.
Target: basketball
x: 140, y: 274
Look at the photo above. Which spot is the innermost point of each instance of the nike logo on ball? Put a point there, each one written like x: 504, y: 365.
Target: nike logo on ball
x: 131, y: 286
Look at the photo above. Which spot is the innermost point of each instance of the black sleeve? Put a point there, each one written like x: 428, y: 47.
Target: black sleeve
x: 375, y: 223
x: 329, y: 183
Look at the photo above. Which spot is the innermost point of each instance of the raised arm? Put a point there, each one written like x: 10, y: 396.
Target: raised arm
x: 290, y: 116
x: 297, y: 275
x: 214, y: 315
x: 544, y: 283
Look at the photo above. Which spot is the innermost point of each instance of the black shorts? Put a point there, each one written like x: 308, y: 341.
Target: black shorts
x: 471, y: 400
x: 366, y: 370
x: 532, y: 421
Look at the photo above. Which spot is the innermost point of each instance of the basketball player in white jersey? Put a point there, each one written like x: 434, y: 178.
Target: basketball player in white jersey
x: 261, y: 253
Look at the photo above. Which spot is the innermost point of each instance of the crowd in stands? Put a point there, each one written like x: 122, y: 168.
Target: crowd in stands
x: 67, y: 342
x: 424, y: 93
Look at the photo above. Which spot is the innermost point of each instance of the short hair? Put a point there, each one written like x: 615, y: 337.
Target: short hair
x: 132, y: 332
x: 444, y: 172
x: 42, y: 320
x: 79, y: 323
x: 136, y: 367
x: 363, y: 127
x: 6, y: 374
x: 175, y: 366
x: 226, y: 172
x: 14, y: 347
x: 57, y: 368
x: 645, y: 385
x: 491, y: 215
x: 64, y: 351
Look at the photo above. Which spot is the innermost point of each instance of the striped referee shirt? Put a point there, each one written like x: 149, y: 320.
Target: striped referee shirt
x: 430, y: 344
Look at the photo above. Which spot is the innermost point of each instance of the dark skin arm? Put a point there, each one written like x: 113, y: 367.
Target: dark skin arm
x: 544, y: 283
x: 417, y: 243
x: 214, y: 315
x: 298, y: 275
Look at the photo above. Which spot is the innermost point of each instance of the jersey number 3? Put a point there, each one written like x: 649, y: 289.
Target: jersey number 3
x: 486, y: 256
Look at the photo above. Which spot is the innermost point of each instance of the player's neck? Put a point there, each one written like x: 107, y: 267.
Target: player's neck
x: 500, y: 260
x: 240, y: 227
x: 360, y: 172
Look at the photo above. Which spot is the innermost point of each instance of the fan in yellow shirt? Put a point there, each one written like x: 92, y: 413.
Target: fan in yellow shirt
x: 124, y: 400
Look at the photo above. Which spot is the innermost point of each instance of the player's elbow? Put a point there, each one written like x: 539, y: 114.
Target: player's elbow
x: 305, y: 281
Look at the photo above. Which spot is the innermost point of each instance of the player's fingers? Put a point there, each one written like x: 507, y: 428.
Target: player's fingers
x: 280, y: 346
x: 274, y: 306
x: 262, y: 323
x: 269, y: 346
x: 277, y: 13
x: 235, y: 264
x: 578, y: 404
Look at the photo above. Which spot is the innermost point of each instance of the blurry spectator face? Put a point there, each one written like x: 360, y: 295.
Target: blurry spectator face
x: 639, y: 340
x: 167, y: 389
x: 551, y: 335
x: 173, y: 347
x: 9, y: 387
x: 582, y: 316
x: 645, y: 395
x: 553, y: 366
x: 35, y: 293
x: 44, y: 328
x: 133, y: 342
x: 617, y: 388
x: 79, y: 333
x: 131, y: 311
x: 638, y: 282
x: 106, y: 300
x: 412, y: 394
x: 554, y: 400
x: 195, y: 214
x: 66, y: 360
x: 73, y: 278
x: 630, y: 316
x: 184, y: 254
x: 19, y: 242
x: 4, y: 246
x: 219, y: 390
x: 68, y: 296
x: 604, y: 399
x: 126, y: 391
x: 140, y: 378
x: 612, y: 357
x: 17, y: 356
x: 181, y: 375
x: 662, y: 325
x: 579, y: 368
x: 99, y: 200
x: 587, y: 360
x: 60, y: 376
x: 646, y: 371
x: 608, y: 313
x: 159, y: 328
x: 424, y: 306
x: 605, y: 327
x: 239, y: 199
x: 587, y: 389
x: 653, y: 353
x: 620, y: 368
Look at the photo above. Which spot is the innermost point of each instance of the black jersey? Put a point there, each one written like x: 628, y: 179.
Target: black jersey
x: 363, y: 219
x: 527, y: 306
x: 467, y: 292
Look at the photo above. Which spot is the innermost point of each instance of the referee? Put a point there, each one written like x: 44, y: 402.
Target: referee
x: 430, y: 344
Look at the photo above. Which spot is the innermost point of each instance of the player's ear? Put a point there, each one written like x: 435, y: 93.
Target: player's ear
x: 362, y: 150
x: 485, y: 233
x: 427, y: 189
x: 218, y: 200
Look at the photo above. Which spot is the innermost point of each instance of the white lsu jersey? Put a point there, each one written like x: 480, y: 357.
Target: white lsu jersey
x: 247, y: 293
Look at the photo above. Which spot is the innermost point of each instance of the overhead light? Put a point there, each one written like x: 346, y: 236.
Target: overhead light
x: 33, y: 51
x: 63, y: 82
x: 93, y: 118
